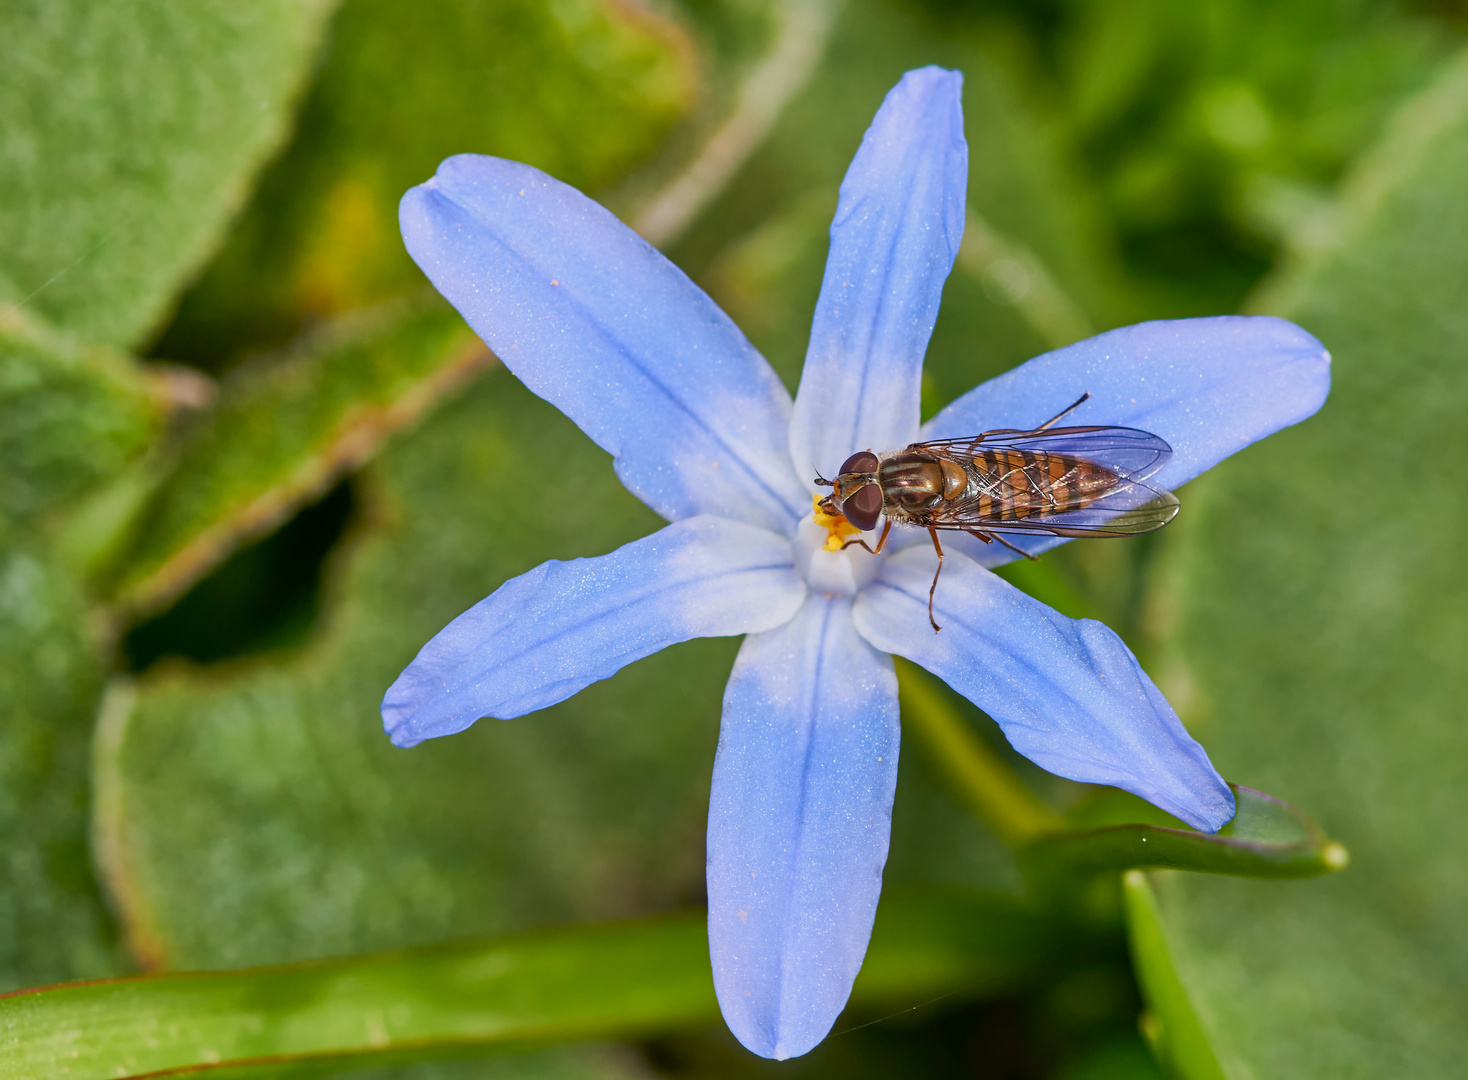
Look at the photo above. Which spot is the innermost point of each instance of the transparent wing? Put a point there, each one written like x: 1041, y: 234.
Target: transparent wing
x: 1125, y: 511
x: 1130, y: 453
x: 1128, y: 507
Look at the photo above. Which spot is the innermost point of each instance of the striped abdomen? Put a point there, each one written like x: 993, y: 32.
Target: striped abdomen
x: 1010, y: 485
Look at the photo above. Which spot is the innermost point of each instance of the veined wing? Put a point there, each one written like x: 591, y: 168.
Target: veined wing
x: 1127, y: 509
x: 1129, y: 452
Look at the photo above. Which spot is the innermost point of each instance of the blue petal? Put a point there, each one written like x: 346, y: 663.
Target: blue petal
x: 799, y: 819
x: 594, y: 320
x: 1210, y: 387
x: 1068, y: 694
x: 896, y: 233
x: 541, y: 637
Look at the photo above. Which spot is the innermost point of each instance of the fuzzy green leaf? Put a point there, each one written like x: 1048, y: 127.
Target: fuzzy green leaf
x: 582, y: 89
x: 71, y: 417
x: 1322, y: 593
x: 286, y: 427
x: 72, y: 420
x: 308, y: 833
x: 51, y: 670
x: 129, y: 133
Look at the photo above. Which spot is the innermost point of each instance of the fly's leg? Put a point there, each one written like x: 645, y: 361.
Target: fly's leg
x: 1016, y: 550
x: 989, y: 538
x: 934, y: 587
x: 880, y: 543
x: 1066, y: 411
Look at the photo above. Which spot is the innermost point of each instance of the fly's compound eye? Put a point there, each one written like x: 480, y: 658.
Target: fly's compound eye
x: 865, y: 504
x: 863, y: 462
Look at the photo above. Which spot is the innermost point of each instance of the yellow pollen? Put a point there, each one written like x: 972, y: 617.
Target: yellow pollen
x: 836, y: 526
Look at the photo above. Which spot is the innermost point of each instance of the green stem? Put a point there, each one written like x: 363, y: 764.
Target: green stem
x: 982, y: 782
x: 1172, y: 1024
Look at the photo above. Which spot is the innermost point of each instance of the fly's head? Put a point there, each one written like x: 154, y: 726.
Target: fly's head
x: 855, y: 502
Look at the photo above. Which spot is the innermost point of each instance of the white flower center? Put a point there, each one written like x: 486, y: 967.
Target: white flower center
x: 836, y: 573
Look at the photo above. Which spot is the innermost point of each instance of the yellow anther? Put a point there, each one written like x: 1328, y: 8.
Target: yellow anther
x: 836, y: 526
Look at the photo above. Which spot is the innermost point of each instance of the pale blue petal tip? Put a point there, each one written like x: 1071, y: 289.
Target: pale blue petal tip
x: 1208, y: 386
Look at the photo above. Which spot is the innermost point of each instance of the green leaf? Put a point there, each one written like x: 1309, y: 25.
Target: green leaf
x: 1210, y: 128
x: 1267, y: 838
x: 582, y: 89
x: 308, y: 833
x: 1111, y: 831
x: 128, y: 135
x: 286, y: 427
x: 51, y: 670
x: 624, y: 979
x: 1325, y: 641
x: 987, y: 785
x: 75, y: 424
x: 71, y: 417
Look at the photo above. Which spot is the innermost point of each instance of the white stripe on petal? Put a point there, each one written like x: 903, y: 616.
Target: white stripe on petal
x: 897, y: 230
x: 541, y: 637
x: 799, y: 820
x: 593, y: 319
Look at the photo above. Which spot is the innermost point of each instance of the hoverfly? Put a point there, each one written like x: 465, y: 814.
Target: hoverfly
x: 1047, y: 481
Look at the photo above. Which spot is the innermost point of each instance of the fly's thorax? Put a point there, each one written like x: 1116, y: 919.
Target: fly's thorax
x: 913, y: 480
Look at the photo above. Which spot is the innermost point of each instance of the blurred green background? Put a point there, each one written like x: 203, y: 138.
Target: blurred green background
x: 249, y: 463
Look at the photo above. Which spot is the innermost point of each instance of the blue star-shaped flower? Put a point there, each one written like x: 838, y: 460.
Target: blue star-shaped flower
x: 594, y: 320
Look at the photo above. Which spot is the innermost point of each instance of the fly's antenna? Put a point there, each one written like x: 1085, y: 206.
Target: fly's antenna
x: 821, y: 481
x: 1072, y: 407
